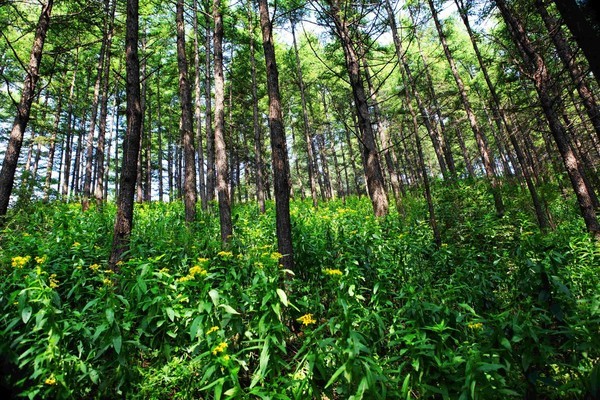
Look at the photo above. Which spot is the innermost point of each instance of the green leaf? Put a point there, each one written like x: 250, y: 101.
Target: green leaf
x: 229, y: 309
x: 170, y: 313
x: 282, y: 297
x: 335, y: 375
x: 110, y: 315
x: 117, y: 342
x: 214, y: 295
x: 26, y: 314
x: 194, y: 327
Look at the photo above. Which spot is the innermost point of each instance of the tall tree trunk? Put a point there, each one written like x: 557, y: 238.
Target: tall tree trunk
x: 310, y: 162
x: 210, y: 138
x: 374, y: 175
x: 159, y: 141
x: 260, y: 190
x: 131, y: 142
x: 52, y: 148
x: 187, y: 134
x: 11, y: 157
x: 220, y: 149
x: 484, y: 149
x: 583, y: 21
x: 551, y: 102
x: 198, y: 109
x: 281, y: 167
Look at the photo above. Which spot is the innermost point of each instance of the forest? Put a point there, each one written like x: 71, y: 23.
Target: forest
x: 299, y: 199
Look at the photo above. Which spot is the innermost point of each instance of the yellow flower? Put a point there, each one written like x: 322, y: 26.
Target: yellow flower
x: 76, y: 244
x: 220, y: 348
x: 185, y: 278
x: 19, y: 262
x: 211, y: 330
x: 164, y: 271
x: 225, y: 254
x: 475, y: 326
x: 332, y: 272
x: 307, y: 319
x: 94, y: 267
x: 53, y: 281
x: 50, y: 381
x: 202, y: 260
x: 107, y: 282
x: 41, y: 260
x: 276, y: 256
x: 226, y: 357
x: 197, y: 270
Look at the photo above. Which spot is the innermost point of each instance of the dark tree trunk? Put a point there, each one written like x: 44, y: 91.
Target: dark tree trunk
x: 281, y: 168
x: 187, y: 134
x: 374, y: 175
x: 131, y: 142
x: 198, y: 110
x: 210, y: 138
x: 220, y: 149
x: 11, y: 157
x: 551, y: 104
x: 52, y: 149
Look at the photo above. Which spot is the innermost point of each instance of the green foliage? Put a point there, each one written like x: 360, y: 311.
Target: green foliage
x: 373, y: 310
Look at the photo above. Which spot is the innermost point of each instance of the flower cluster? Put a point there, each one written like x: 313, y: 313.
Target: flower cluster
x: 94, y: 267
x: 475, y: 325
x: 53, y: 281
x: 41, y: 260
x: 332, y: 272
x: 225, y: 254
x: 194, y: 271
x: 20, y: 262
x: 211, y: 330
x: 275, y: 256
x: 307, y: 319
x: 50, y: 381
x: 221, y: 347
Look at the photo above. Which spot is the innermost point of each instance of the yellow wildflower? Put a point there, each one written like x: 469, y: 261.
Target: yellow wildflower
x: 220, y: 348
x: 50, y: 381
x: 202, y: 260
x: 53, y: 281
x: 19, y: 262
x: 225, y: 254
x: 76, y: 244
x: 307, y: 319
x: 226, y: 357
x: 185, y: 278
x: 197, y: 270
x: 41, y: 260
x: 332, y: 272
x: 276, y: 256
x: 164, y: 270
x: 475, y: 325
x: 94, y: 267
x: 107, y: 282
x: 259, y: 265
x: 211, y: 330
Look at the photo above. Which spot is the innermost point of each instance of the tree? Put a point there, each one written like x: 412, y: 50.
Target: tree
x: 281, y: 167
x: 220, y: 150
x: 11, y: 157
x: 131, y: 142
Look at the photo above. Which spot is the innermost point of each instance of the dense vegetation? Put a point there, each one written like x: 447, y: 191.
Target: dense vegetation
x: 375, y: 309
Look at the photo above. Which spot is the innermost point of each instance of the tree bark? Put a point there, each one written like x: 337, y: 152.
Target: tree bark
x: 551, y: 104
x: 210, y: 138
x: 281, y: 167
x: 198, y: 110
x: 187, y: 134
x: 11, y: 157
x: 220, y: 148
x: 131, y: 142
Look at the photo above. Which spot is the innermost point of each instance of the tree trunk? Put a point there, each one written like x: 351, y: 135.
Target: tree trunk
x: 220, y: 149
x: 551, y: 104
x: 131, y: 143
x: 374, y: 175
x: 52, y: 149
x: 281, y: 168
x: 187, y: 134
x: 210, y: 138
x: 479, y: 135
x: 198, y: 109
x: 11, y: 157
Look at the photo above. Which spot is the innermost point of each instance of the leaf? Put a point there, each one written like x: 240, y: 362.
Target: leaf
x: 110, y: 315
x: 170, y: 313
x: 282, y: 297
x: 229, y: 309
x: 26, y: 314
x: 335, y: 375
x: 194, y: 327
x: 214, y: 295
x: 117, y: 342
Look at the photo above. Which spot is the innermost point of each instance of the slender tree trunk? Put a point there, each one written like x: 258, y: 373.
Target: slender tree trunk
x: 484, y: 150
x: 52, y: 149
x: 281, y: 168
x: 260, y: 190
x: 131, y: 143
x: 159, y: 141
x: 551, y: 102
x: 374, y: 175
x: 198, y: 109
x: 210, y: 138
x: 306, y: 126
x: 11, y: 157
x: 220, y: 148
x: 187, y: 134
